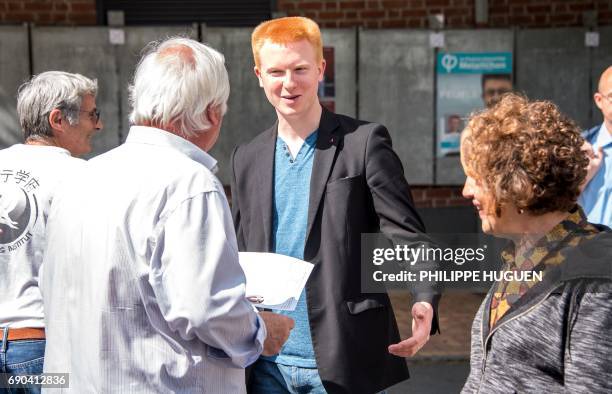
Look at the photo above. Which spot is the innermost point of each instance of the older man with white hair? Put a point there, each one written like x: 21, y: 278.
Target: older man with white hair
x: 58, y: 116
x: 143, y: 290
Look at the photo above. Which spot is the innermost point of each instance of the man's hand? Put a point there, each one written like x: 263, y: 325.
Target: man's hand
x: 278, y: 328
x: 595, y: 162
x: 422, y: 315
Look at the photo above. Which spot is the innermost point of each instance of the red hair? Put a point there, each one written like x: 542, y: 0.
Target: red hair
x: 287, y: 30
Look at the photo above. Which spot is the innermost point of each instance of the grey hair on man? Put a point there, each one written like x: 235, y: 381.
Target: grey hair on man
x: 46, y: 92
x: 176, y: 83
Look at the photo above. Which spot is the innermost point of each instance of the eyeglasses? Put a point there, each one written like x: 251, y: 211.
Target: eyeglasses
x: 94, y: 114
x: 496, y: 92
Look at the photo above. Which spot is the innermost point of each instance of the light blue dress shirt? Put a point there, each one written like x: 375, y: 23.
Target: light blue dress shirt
x: 596, y: 199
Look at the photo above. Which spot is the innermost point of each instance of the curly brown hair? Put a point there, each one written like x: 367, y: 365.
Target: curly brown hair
x: 527, y: 153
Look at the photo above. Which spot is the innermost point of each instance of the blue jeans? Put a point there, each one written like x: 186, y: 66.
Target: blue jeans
x: 24, y: 357
x: 271, y: 378
x: 268, y: 377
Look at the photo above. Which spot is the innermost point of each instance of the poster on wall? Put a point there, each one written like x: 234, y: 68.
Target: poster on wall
x: 467, y: 82
x: 327, y: 87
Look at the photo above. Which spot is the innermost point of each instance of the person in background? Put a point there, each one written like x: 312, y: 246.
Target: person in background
x: 58, y: 116
x: 142, y: 287
x: 494, y: 86
x: 596, y: 198
x: 524, y: 165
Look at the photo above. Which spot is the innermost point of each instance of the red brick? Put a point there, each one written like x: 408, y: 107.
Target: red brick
x: 310, y: 6
x: 58, y: 17
x: 456, y: 11
x: 332, y: 5
x: 603, y: 5
x: 393, y: 13
x: 605, y: 17
x: 409, y: 13
x: 310, y: 14
x: 18, y: 16
x: 327, y: 15
x: 83, y: 7
x: 438, y: 193
x: 373, y: 4
x: 416, y: 4
x: 43, y: 17
x: 371, y: 24
x: 81, y: 19
x: 35, y: 6
x: 517, y: 9
x: 498, y: 9
x: 353, y: 4
x: 441, y: 3
x: 372, y: 14
x: 581, y: 6
x: 393, y: 3
x: 393, y: 24
x: 425, y: 204
x: 454, y: 21
x: 15, y: 6
x: 521, y: 20
x: 350, y: 15
x: 541, y: 20
x: 539, y: 9
x: 560, y: 7
x: 60, y: 6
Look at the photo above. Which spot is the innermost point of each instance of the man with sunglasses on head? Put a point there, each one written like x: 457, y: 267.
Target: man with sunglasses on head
x: 596, y: 198
x: 58, y: 116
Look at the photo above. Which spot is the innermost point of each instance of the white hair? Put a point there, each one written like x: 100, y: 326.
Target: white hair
x: 175, y: 82
x: 47, y: 91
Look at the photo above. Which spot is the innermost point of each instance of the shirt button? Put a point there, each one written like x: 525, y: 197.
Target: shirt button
x: 287, y: 154
x: 291, y: 161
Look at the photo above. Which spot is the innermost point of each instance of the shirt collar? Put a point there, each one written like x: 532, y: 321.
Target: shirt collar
x: 158, y: 137
x: 604, y: 137
x: 574, y: 221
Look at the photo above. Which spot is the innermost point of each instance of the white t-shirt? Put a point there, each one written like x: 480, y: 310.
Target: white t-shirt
x: 29, y: 175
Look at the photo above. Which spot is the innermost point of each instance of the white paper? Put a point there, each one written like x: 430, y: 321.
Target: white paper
x: 436, y: 40
x: 278, y: 279
x: 591, y: 39
x: 116, y: 36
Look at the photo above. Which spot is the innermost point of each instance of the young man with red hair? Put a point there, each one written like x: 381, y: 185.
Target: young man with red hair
x: 308, y: 187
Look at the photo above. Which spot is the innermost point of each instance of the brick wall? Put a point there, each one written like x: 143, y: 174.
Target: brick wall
x: 458, y: 13
x: 347, y: 13
x: 48, y: 12
x: 438, y: 196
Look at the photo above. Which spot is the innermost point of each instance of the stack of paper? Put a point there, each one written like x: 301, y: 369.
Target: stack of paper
x: 275, y: 280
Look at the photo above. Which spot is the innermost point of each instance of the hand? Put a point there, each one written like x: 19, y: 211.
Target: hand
x: 595, y: 162
x: 278, y: 328
x: 422, y: 315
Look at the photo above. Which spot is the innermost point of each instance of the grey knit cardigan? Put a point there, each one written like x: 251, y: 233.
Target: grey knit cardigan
x: 557, y: 338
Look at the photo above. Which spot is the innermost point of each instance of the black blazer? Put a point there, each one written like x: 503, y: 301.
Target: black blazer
x: 357, y: 186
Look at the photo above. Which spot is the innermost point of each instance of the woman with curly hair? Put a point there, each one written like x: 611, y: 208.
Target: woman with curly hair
x: 524, y: 167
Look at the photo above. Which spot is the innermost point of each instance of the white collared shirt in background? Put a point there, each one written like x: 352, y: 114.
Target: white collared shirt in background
x: 29, y: 175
